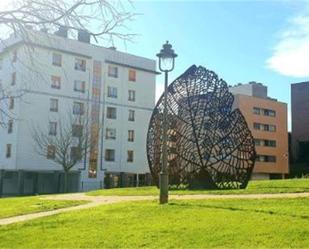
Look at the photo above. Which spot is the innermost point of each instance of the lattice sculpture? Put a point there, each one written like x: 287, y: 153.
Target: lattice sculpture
x: 209, y: 143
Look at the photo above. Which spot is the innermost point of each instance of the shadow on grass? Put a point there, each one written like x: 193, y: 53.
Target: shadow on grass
x: 269, y: 212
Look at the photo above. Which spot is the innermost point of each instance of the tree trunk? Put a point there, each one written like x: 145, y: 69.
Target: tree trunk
x: 66, y: 183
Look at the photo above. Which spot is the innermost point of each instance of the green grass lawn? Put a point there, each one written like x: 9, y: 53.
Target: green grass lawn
x: 254, y: 187
x: 272, y: 223
x: 25, y: 205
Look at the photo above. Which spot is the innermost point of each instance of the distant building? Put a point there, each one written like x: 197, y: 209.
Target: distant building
x: 57, y: 74
x: 300, y: 127
x: 267, y: 120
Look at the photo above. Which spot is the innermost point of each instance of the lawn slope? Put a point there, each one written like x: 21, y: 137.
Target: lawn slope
x: 273, y: 223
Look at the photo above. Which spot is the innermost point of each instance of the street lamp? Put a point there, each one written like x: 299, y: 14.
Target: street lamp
x: 166, y: 64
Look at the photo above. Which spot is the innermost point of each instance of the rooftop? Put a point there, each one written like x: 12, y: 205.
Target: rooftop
x: 80, y: 47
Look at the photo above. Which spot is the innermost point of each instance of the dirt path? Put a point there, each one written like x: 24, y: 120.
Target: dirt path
x: 95, y: 201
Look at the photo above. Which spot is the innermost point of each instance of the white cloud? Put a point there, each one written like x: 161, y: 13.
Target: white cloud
x: 291, y: 54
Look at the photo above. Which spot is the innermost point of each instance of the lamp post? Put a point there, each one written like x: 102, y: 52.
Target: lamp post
x: 166, y: 64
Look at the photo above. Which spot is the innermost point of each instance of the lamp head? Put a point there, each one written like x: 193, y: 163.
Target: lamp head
x: 166, y: 58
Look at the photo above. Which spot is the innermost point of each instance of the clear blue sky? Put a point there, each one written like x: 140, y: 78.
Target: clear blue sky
x: 264, y: 41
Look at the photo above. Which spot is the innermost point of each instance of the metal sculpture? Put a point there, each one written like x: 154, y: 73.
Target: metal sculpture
x: 209, y: 142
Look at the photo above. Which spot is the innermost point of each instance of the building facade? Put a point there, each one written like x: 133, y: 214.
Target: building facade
x: 300, y: 131
x: 267, y: 120
x: 57, y: 77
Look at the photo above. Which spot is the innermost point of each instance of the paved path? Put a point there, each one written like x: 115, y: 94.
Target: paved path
x: 95, y: 201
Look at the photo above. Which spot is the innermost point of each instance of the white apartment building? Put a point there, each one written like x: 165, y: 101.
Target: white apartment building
x: 58, y: 75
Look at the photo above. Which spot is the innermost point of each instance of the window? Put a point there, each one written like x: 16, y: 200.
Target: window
x: 271, y: 159
x: 265, y: 112
x: 264, y: 127
x: 78, y: 108
x: 256, y: 110
x: 265, y: 142
x: 132, y: 75
x: 260, y: 158
x: 79, y: 86
x: 53, y: 128
x: 270, y: 143
x: 96, y: 93
x: 131, y: 115
x: 109, y: 155
x: 111, y: 112
x: 8, y: 150
x: 14, y: 59
x: 10, y: 126
x: 272, y: 128
x: 77, y: 130
x: 57, y: 59
x: 256, y: 126
x: 95, y: 113
x: 13, y: 82
x: 257, y: 142
x: 51, y: 152
x: 11, y: 104
x: 131, y: 95
x: 80, y: 64
x: 110, y: 133
x: 130, y: 156
x: 53, y: 105
x: 76, y: 153
x: 270, y: 113
x: 56, y: 82
x: 112, y: 71
x: 131, y: 135
x: 111, y: 92
x: 266, y: 158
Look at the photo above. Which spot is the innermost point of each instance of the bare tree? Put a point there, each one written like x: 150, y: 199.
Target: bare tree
x: 105, y: 21
x: 6, y: 99
x: 66, y: 142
